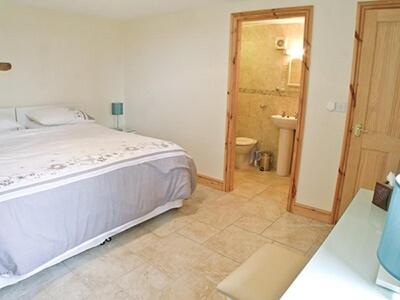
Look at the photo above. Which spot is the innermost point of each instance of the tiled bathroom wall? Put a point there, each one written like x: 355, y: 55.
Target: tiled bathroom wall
x: 263, y: 70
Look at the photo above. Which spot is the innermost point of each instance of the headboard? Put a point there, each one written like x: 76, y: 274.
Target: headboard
x: 9, y: 112
x: 24, y: 120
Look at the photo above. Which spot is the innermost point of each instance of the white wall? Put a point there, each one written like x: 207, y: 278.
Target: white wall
x: 176, y: 83
x: 60, y: 58
x: 172, y: 72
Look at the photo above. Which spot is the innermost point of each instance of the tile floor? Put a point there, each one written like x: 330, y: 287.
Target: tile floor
x: 184, y: 253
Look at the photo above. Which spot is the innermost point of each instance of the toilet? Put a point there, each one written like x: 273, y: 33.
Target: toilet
x: 244, y: 149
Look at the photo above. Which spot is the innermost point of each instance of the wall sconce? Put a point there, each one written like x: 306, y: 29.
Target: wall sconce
x: 5, y: 66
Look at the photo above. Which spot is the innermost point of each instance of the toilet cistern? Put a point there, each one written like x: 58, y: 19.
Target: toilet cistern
x: 287, y: 126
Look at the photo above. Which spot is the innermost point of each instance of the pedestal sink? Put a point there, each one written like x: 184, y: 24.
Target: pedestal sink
x: 287, y: 126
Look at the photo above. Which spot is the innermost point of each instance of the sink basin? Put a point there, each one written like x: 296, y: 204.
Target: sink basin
x: 287, y: 126
x: 284, y: 122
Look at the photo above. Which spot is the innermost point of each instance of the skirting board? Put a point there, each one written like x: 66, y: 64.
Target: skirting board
x: 313, y: 213
x: 211, y: 182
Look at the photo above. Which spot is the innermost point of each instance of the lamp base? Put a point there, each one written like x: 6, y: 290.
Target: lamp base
x: 384, y: 279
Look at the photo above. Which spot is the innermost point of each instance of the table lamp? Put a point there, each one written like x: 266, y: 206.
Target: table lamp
x: 117, y: 109
x: 389, y: 247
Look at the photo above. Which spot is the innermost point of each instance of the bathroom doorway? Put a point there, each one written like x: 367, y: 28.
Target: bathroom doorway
x: 269, y: 66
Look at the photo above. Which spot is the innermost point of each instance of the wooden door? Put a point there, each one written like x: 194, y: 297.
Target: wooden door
x: 375, y: 136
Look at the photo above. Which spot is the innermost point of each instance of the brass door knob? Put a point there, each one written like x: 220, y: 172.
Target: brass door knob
x: 359, y: 129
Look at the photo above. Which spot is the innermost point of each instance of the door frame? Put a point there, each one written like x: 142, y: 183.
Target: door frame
x: 362, y: 8
x: 233, y: 90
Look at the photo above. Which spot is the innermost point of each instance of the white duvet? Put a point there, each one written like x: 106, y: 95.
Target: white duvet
x: 39, y: 159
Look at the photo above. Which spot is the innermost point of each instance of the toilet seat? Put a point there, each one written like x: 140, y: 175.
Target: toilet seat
x: 245, y: 141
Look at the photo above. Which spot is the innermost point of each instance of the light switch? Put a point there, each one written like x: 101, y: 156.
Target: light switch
x: 331, y: 106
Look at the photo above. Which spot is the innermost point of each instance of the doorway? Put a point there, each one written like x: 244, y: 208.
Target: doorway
x: 372, y: 137
x: 292, y: 53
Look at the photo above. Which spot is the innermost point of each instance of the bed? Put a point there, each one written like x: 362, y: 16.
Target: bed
x: 65, y: 189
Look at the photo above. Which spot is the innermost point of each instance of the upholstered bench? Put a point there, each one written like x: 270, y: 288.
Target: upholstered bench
x: 267, y: 274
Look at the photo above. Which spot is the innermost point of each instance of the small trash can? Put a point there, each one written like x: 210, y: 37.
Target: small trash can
x: 265, y: 161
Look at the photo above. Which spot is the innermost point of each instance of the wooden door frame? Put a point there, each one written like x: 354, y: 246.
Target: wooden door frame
x: 233, y: 90
x: 362, y: 8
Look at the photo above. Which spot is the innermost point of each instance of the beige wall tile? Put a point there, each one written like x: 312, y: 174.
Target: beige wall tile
x: 263, y: 68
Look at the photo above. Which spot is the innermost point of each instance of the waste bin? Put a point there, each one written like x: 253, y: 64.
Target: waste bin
x: 265, y: 161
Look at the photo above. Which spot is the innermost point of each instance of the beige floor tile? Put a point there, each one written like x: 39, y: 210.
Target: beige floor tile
x: 218, y: 217
x: 119, y: 255
x: 203, y: 193
x: 191, y: 285
x: 28, y: 288
x: 68, y: 287
x: 175, y: 254
x: 323, y: 228
x: 215, y: 295
x: 254, y: 175
x: 266, y: 209
x: 249, y: 189
x: 216, y: 267
x: 289, y: 248
x: 277, y: 192
x: 97, y: 270
x: 183, y: 293
x: 138, y: 243
x: 228, y: 200
x: 84, y: 258
x: 109, y: 292
x: 292, y: 219
x: 313, y: 249
x: 168, y: 223
x: 253, y: 223
x: 145, y: 282
x: 293, y: 231
x: 189, y: 208
x: 236, y: 243
x: 201, y: 196
x: 198, y: 232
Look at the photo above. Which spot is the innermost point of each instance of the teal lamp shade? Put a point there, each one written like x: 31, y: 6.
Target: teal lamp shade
x: 389, y: 247
x: 117, y: 108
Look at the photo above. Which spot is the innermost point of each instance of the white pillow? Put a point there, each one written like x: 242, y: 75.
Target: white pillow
x: 8, y: 125
x: 52, y: 116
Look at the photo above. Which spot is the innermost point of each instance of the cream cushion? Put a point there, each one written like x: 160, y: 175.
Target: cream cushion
x: 267, y: 274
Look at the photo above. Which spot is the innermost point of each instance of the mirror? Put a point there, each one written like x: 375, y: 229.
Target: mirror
x: 294, y: 77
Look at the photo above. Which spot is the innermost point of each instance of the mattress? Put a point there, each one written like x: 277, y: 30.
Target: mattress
x: 63, y: 187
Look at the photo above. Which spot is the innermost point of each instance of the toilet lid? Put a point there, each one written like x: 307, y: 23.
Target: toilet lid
x: 243, y: 141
